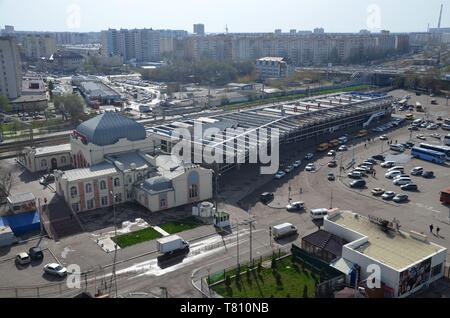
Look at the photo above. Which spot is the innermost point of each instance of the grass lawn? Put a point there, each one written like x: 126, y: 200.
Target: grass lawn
x: 137, y: 237
x: 180, y: 226
x: 292, y: 282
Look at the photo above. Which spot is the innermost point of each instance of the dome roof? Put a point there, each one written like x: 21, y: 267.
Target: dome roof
x: 157, y: 184
x: 107, y: 128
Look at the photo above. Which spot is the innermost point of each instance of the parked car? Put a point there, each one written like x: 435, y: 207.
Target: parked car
x: 55, y: 269
x: 397, y: 168
x: 332, y: 164
x: 417, y: 171
x: 280, y: 175
x: 46, y: 179
x: 289, y: 169
x: 36, y: 253
x: 409, y: 187
x: 358, y: 184
x: 393, y: 174
x: 421, y: 137
x: 355, y: 175
x: 379, y: 157
x: 428, y: 174
x: 388, y: 164
x: 23, y: 259
x: 331, y: 177
x: 384, y: 137
x: 266, y: 197
x: 309, y: 156
x: 377, y: 192
x: 310, y: 167
x: 297, y: 164
x: 389, y: 195
x: 402, y: 181
x: 373, y: 161
x: 399, y: 198
x: 331, y: 153
x: 343, y: 148
x: 295, y: 206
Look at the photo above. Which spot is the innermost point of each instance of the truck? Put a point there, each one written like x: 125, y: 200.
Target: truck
x: 284, y: 230
x: 419, y: 107
x: 171, y: 244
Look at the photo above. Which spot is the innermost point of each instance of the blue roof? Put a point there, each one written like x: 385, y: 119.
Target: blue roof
x: 107, y: 128
x: 21, y: 223
x: 157, y: 184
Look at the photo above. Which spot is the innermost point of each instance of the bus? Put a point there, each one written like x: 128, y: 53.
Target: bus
x: 362, y: 133
x: 428, y: 155
x: 409, y: 116
x: 443, y: 149
x: 333, y: 143
x: 445, y: 196
x: 447, y: 140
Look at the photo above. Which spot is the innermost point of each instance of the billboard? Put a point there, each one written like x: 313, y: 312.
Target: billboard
x: 414, y: 277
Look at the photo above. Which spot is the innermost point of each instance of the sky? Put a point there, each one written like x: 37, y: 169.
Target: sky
x: 239, y: 15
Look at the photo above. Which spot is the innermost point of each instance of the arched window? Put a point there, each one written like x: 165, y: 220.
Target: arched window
x: 88, y: 188
x: 103, y: 185
x: 139, y: 177
x: 63, y: 160
x: 43, y: 163
x: 73, y: 191
x: 193, y: 184
x: 117, y: 182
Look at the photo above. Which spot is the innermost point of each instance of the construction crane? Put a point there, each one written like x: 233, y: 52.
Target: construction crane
x: 440, y: 16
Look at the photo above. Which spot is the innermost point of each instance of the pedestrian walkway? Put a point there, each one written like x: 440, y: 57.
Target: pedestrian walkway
x: 161, y: 231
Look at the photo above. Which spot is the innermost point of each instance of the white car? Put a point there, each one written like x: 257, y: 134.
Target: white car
x: 388, y: 164
x: 417, y: 171
x: 384, y: 137
x: 343, y: 148
x: 297, y: 164
x: 389, y: 195
x: 309, y: 156
x: 393, y: 174
x: 397, y: 168
x: 402, y: 181
x: 289, y: 169
x: 280, y: 175
x: 421, y: 137
x: 55, y: 269
x: 310, y: 167
x: 295, y: 206
x: 331, y: 153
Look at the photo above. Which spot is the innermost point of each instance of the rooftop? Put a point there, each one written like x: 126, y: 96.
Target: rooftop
x: 107, y: 128
x: 129, y: 161
x: 398, y: 250
x: 100, y: 170
x: 22, y: 197
x: 326, y: 241
x: 97, y: 89
x: 50, y: 150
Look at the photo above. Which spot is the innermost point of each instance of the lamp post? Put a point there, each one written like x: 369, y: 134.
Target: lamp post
x: 115, y: 244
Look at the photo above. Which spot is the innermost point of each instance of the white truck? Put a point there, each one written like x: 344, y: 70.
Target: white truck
x: 170, y: 244
x: 283, y: 230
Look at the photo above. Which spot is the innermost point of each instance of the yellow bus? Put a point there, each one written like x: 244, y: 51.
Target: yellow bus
x: 409, y: 116
x: 362, y: 133
x: 323, y: 147
x: 334, y: 143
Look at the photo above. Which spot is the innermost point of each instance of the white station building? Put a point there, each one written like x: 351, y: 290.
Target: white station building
x: 112, y: 161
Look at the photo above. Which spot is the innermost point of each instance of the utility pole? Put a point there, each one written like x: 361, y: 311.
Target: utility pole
x: 237, y: 236
x: 331, y: 201
x: 115, y: 244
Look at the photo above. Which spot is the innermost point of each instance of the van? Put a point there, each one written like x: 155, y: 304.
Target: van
x: 398, y: 148
x: 318, y: 214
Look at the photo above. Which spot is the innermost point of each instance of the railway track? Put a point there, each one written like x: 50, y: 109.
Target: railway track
x: 9, y: 150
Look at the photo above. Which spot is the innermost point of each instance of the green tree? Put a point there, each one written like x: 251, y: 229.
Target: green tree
x: 5, y: 105
x: 70, y: 104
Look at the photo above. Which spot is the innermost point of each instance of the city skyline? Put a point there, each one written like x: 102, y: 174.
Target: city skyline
x: 82, y: 16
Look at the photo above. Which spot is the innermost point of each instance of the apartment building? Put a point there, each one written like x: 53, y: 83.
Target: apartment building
x: 273, y: 67
x: 35, y: 46
x: 10, y: 68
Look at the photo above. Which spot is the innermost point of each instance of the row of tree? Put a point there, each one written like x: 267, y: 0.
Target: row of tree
x: 203, y: 72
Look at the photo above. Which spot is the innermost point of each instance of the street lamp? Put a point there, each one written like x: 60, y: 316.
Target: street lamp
x: 115, y: 244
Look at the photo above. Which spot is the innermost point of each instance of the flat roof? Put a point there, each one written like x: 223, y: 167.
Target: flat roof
x: 21, y: 197
x: 29, y: 99
x: 97, y: 89
x: 100, y: 170
x: 398, y: 250
x: 52, y: 150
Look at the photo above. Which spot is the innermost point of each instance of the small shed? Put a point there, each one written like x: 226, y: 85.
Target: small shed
x: 23, y: 202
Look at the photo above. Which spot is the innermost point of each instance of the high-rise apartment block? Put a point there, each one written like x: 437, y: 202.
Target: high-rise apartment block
x: 35, y: 46
x: 10, y: 68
